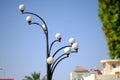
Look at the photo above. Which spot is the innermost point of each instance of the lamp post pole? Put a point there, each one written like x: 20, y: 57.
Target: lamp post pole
x: 51, y: 63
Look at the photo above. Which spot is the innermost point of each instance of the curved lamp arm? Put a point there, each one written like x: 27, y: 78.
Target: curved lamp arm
x: 38, y: 17
x: 45, y: 31
x: 57, y: 61
x: 53, y: 44
x: 60, y: 49
x: 38, y: 25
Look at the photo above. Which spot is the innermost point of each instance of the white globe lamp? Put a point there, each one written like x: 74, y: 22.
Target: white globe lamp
x: 50, y: 60
x: 22, y: 7
x: 67, y: 50
x: 29, y: 19
x: 58, y: 36
x: 75, y: 46
x: 44, y: 27
x: 71, y: 40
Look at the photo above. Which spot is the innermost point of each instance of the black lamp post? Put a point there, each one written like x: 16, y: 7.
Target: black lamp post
x: 51, y: 63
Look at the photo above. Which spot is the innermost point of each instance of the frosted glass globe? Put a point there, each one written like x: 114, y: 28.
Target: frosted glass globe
x: 50, y: 60
x: 75, y: 46
x: 22, y: 7
x: 58, y: 36
x: 67, y: 50
x: 29, y: 19
x: 71, y: 40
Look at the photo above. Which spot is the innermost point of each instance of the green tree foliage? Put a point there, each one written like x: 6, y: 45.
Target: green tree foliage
x: 34, y: 76
x: 109, y: 13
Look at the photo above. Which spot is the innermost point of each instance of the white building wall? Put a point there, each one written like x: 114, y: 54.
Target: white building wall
x: 82, y: 76
x: 110, y: 67
x: 75, y: 76
x: 90, y: 77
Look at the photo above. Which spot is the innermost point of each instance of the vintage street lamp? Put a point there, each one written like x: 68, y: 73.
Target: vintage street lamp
x: 51, y: 63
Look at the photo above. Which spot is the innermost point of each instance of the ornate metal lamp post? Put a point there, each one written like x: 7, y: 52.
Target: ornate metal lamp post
x: 51, y: 63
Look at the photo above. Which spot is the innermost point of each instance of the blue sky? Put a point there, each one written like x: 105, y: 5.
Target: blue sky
x: 22, y: 47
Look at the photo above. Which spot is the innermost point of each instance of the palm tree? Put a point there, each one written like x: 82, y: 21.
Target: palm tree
x: 34, y: 76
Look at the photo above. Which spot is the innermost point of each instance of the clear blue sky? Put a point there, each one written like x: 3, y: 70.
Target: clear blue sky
x: 22, y: 47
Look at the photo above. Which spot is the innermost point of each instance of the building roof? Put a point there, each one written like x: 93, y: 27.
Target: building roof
x: 6, y: 79
x: 80, y: 69
x: 110, y: 61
